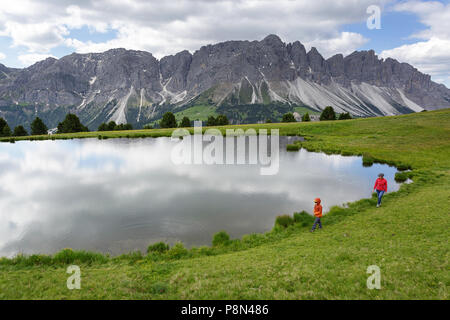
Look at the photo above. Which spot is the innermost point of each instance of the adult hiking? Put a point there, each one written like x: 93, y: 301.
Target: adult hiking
x: 317, y: 214
x: 380, y: 187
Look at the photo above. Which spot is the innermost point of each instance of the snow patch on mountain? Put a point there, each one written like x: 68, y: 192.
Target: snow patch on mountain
x: 376, y: 96
x: 410, y: 104
x: 119, y: 116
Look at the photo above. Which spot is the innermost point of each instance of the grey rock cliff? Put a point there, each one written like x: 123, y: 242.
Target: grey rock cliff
x: 133, y: 86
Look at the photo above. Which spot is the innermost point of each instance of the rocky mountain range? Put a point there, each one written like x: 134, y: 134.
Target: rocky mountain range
x: 266, y: 77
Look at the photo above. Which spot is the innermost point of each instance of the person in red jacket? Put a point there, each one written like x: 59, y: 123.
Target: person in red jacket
x: 317, y: 214
x: 380, y: 187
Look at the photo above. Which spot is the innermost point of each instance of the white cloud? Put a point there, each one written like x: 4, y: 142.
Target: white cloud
x: 431, y: 57
x: 166, y: 27
x: 345, y: 43
x: 433, y: 14
x: 432, y: 54
x: 31, y: 58
x: 2, y: 56
x: 37, y: 37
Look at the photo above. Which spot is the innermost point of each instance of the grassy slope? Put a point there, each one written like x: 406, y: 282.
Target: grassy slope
x: 303, y: 110
x: 407, y: 238
x: 196, y: 113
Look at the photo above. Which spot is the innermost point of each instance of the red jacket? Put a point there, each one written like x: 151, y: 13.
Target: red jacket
x: 318, y: 208
x: 381, y: 184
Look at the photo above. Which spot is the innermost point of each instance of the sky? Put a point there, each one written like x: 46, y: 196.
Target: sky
x: 416, y: 32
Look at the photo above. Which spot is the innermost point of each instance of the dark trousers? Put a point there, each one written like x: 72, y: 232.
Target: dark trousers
x: 317, y: 221
x: 380, y: 194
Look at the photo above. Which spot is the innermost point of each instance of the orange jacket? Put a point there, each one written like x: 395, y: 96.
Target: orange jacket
x: 318, y: 208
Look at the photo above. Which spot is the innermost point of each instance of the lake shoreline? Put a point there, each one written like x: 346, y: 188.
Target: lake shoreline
x: 286, y: 263
x: 231, y: 246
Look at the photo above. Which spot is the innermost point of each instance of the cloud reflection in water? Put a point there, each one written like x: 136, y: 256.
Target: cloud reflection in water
x: 120, y: 195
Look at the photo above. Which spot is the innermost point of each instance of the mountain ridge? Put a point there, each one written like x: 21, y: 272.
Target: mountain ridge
x: 133, y: 86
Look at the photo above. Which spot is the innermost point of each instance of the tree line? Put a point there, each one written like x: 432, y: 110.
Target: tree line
x: 37, y: 127
x: 327, y: 114
x: 70, y: 124
x: 112, y: 126
x: 169, y: 121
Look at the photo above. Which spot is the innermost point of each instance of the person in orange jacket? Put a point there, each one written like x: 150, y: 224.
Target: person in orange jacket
x: 317, y: 214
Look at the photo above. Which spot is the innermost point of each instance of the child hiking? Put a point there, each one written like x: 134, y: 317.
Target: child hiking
x: 317, y: 214
x: 381, y: 187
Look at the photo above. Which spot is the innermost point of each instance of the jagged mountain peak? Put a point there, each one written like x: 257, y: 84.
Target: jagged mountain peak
x: 273, y: 39
x: 133, y: 86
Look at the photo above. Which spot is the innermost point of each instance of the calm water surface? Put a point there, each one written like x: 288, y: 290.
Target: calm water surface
x: 121, y: 195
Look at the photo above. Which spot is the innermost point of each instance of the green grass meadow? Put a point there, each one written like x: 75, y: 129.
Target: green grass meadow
x: 196, y: 113
x: 408, y: 237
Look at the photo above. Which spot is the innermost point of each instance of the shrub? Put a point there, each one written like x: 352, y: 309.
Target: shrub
x: 284, y: 221
x: 293, y: 147
x: 71, y: 124
x: 211, y: 121
x: 268, y: 121
x: 403, y: 167
x: 177, y: 251
x: 112, y: 126
x: 159, y: 247
x: 123, y: 126
x: 38, y: 127
x: 254, y: 238
x: 306, y: 117
x: 148, y: 127
x: 22, y: 260
x: 103, y: 127
x: 20, y: 131
x: 67, y: 256
x: 346, y: 153
x: 328, y: 114
x: 3, y: 124
x: 288, y: 117
x: 367, y: 160
x: 168, y: 121
x: 6, y: 132
x: 131, y: 257
x: 220, y: 238
x: 222, y: 120
x: 185, y: 122
x: 303, y: 218
x: 345, y: 116
x: 38, y: 259
x: 401, y: 176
